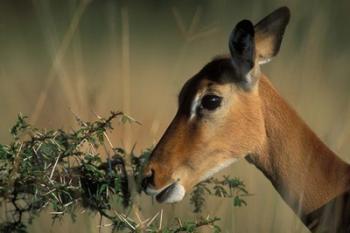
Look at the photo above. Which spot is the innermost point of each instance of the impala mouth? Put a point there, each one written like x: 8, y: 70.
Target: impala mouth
x: 173, y: 193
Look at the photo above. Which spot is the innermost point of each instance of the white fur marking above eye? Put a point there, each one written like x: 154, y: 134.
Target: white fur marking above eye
x: 194, y: 106
x: 249, y: 77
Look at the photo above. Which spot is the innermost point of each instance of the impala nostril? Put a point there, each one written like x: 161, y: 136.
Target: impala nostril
x: 147, y: 179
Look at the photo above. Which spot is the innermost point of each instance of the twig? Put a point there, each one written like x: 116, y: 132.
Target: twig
x: 198, y: 224
x: 54, y: 167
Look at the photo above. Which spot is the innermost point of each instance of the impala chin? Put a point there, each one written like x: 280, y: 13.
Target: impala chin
x: 174, y: 192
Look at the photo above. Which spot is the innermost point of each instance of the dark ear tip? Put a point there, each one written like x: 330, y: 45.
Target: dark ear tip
x: 283, y: 12
x: 246, y: 26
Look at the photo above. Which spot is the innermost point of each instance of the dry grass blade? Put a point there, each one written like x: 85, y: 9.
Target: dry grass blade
x: 67, y: 38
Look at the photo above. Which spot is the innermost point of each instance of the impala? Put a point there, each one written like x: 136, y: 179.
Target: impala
x: 229, y: 110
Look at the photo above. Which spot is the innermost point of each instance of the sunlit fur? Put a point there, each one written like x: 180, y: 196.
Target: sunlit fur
x: 256, y: 124
x: 192, y: 149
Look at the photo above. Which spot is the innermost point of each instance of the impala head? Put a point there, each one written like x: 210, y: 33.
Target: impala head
x: 219, y: 118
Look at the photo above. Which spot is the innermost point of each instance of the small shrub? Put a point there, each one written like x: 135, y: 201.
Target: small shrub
x: 63, y: 171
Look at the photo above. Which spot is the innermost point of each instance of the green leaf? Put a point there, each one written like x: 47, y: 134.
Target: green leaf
x: 100, y: 136
x: 20, y: 126
x: 4, y: 153
x: 238, y: 202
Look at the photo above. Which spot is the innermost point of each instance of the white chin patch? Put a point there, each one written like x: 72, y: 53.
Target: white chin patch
x: 176, y: 194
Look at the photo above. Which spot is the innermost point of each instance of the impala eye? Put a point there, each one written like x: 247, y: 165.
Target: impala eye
x: 211, y: 102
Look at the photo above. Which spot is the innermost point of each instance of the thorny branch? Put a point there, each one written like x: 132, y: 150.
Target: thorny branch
x: 63, y: 171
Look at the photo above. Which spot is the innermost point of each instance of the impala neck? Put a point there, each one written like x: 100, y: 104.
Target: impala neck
x: 305, y: 172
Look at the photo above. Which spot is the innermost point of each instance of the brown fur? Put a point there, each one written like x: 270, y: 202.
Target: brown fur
x: 254, y: 123
x: 304, y: 171
x: 262, y: 125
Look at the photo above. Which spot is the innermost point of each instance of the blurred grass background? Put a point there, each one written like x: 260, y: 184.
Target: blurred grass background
x: 59, y: 57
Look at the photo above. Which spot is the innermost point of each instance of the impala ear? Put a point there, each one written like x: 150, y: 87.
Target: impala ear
x: 269, y: 32
x: 242, y: 48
